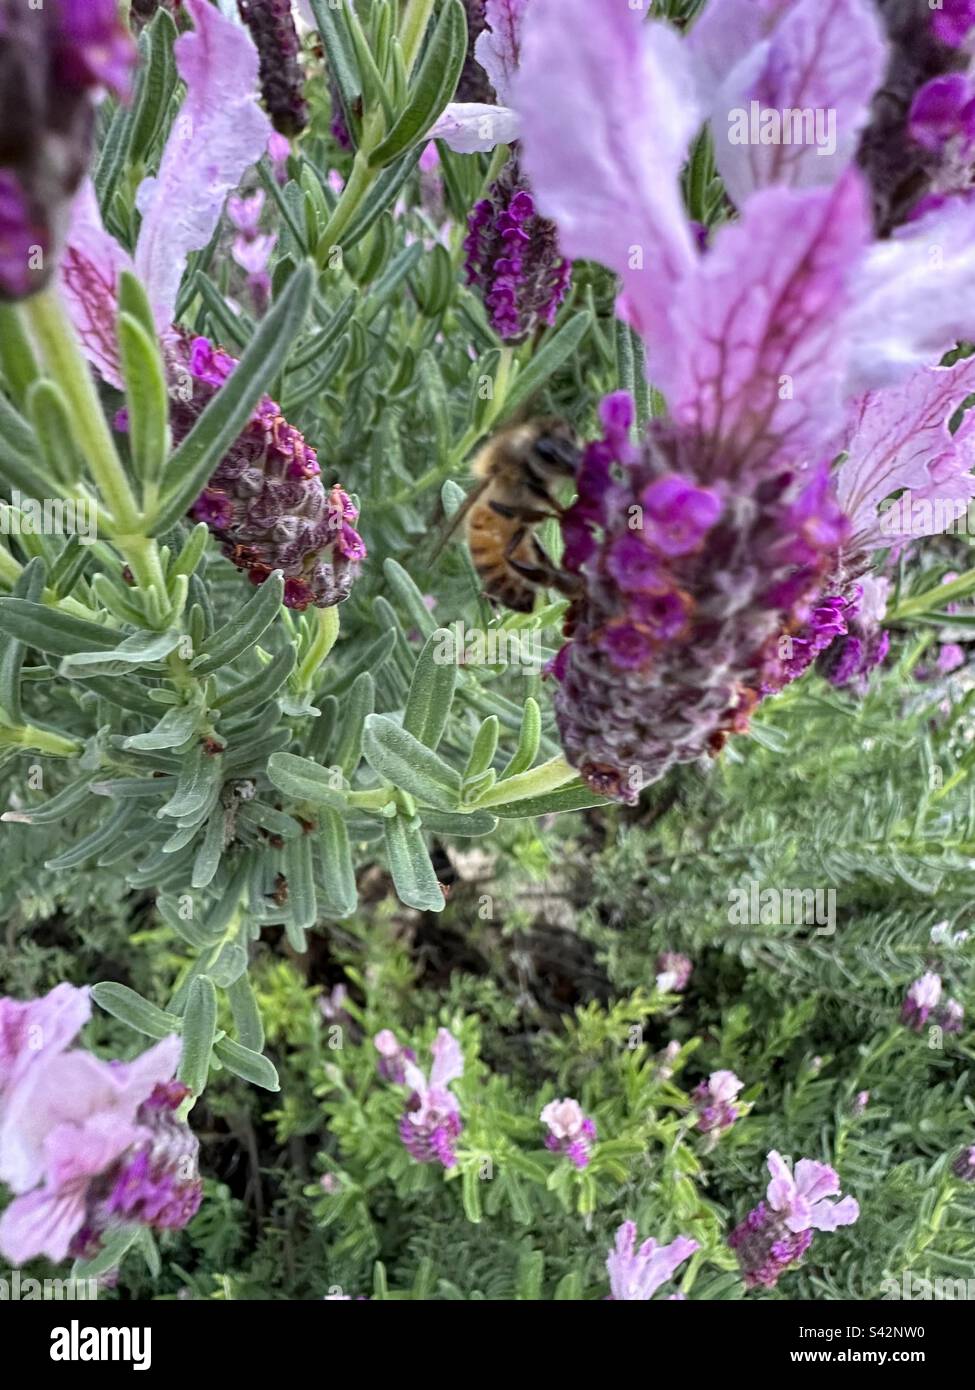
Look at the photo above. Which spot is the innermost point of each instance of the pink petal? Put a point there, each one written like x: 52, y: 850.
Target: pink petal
x: 825, y: 57
x: 607, y: 110
x: 448, y: 1059
x: 498, y: 47
x: 39, y: 1028
x: 815, y: 1180
x: 915, y: 297
x: 89, y: 272
x: 469, y: 126
x: 827, y: 1216
x: 759, y: 363
x: 727, y: 32
x: 782, y: 1189
x: 219, y: 131
x: 42, y: 1223
x: 895, y: 439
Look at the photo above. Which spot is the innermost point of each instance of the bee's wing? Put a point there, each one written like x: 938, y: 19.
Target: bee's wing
x: 446, y: 527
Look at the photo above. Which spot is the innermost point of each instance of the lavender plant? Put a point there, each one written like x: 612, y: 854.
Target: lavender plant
x: 270, y: 275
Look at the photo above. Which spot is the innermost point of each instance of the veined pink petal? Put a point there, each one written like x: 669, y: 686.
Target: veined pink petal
x: 898, y: 438
x: 760, y: 364
x: 810, y: 83
x: 220, y: 130
x: 469, y: 126
x: 498, y: 47
x: 607, y: 112
x: 816, y: 1180
x: 42, y: 1223
x: 915, y: 297
x: 827, y: 1216
x: 782, y: 1189
x: 89, y: 272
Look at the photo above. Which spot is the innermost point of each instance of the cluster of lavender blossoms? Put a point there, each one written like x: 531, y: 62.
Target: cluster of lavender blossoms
x: 266, y: 502
x: 272, y: 27
x: 776, y: 1234
x: 431, y: 1123
x: 674, y: 972
x: 721, y: 554
x: 54, y: 59
x: 635, y: 1274
x: 86, y: 1146
x: 570, y: 1131
x: 922, y: 1005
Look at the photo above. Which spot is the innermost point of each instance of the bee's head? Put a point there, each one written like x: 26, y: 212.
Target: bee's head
x: 555, y: 450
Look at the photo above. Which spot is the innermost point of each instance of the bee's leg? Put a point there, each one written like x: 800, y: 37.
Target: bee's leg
x: 540, y: 569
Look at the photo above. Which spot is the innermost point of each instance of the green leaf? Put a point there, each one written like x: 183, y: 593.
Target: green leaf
x: 198, y: 776
x: 208, y: 856
x: 50, y: 630
x: 249, y: 1065
x: 54, y: 809
x: 109, y: 1256
x: 130, y: 1008
x: 484, y: 749
x: 302, y: 900
x: 29, y: 586
x: 358, y: 705
x: 157, y: 82
x: 471, y: 824
x: 338, y: 873
x: 409, y: 863
x: 471, y: 1192
x: 382, y: 195
x: 555, y: 352
x: 146, y: 398
x: 433, y: 87
x: 199, y: 1031
x: 228, y: 412
x: 141, y: 649
x: 404, y: 762
x: 577, y: 797
x: 338, y: 45
x: 247, y: 1015
x: 303, y: 780
x: 244, y: 629
x: 541, y: 780
x: 431, y: 690
x: 254, y: 692
x: 528, y: 741
x: 50, y: 416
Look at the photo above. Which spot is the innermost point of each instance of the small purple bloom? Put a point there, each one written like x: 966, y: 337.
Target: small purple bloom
x: 715, y: 1101
x: 861, y: 1102
x: 964, y: 1165
x: 570, y: 1131
x: 673, y: 972
x: 635, y: 1275
x: 393, y: 1056
x: 677, y: 515
x: 922, y: 998
x: 942, y: 110
x: 952, y: 21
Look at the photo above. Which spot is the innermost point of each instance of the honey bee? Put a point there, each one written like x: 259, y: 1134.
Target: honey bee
x: 515, y: 472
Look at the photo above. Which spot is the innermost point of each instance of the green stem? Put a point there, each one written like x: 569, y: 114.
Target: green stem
x: 360, y: 181
x: 41, y: 740
x: 327, y: 622
x: 53, y: 333
x: 17, y: 358
x: 934, y: 599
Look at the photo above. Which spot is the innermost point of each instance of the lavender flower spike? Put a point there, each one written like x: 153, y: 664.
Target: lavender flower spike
x: 920, y: 1001
x: 272, y: 27
x: 570, y: 1132
x: 716, y: 1102
x: 636, y: 1275
x: 513, y: 258
x: 777, y: 1233
x: 431, y: 1122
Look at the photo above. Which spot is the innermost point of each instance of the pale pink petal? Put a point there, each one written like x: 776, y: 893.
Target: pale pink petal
x: 38, y: 1028
x: 607, y: 112
x: 219, y: 131
x: 498, y: 47
x: 469, y: 126
x: 89, y: 273
x: 782, y: 1189
x: 915, y: 297
x: 760, y: 362
x: 73, y: 1151
x: 448, y: 1059
x: 42, y: 1223
x: 815, y: 1180
x: 820, y: 65
x: 414, y: 1078
x: 899, y: 439
x: 827, y: 1216
x: 726, y: 32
